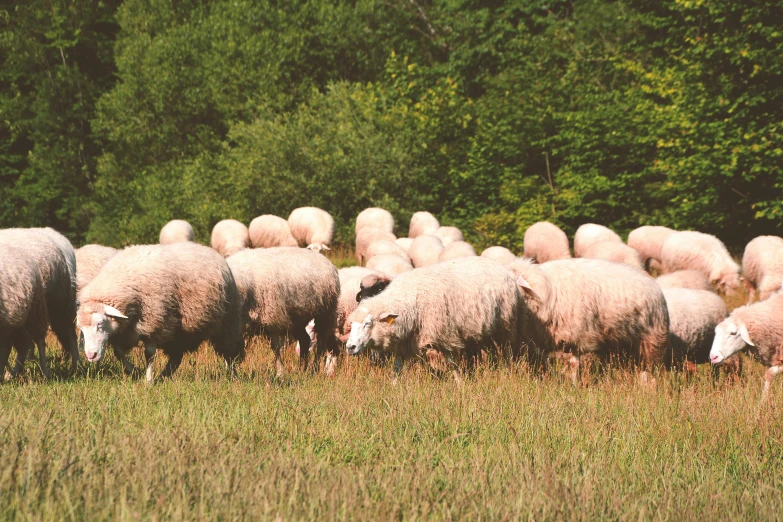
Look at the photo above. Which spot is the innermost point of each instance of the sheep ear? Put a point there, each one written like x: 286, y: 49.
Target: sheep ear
x: 388, y: 317
x: 526, y: 288
x: 324, y: 247
x: 113, y: 312
x: 743, y: 331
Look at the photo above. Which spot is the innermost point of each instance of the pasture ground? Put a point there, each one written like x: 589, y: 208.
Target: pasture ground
x: 505, y: 445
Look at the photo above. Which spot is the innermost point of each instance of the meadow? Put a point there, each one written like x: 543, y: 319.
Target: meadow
x: 507, y: 444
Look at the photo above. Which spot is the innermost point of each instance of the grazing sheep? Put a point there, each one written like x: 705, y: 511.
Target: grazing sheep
x: 390, y: 264
x: 372, y: 285
x: 591, y: 306
x: 404, y: 242
x: 269, y: 231
x: 449, y: 235
x: 693, y: 316
x: 384, y: 246
x: 351, y: 292
x: 758, y: 326
x: 176, y: 231
x: 456, y: 250
x: 89, y: 261
x: 648, y: 241
x: 590, y: 233
x: 229, y: 237
x: 614, y: 252
x: 425, y: 250
x: 171, y: 297
x: 690, y: 279
x: 283, y: 289
x: 23, y: 312
x: 762, y: 266
x: 697, y: 251
x: 366, y: 237
x: 376, y: 218
x: 546, y: 242
x: 500, y: 254
x: 312, y: 227
x: 56, y: 262
x: 423, y: 223
x: 452, y: 308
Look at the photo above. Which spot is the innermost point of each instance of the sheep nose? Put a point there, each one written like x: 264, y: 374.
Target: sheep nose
x: 714, y: 358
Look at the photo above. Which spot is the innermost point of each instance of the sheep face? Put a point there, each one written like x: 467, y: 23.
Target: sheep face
x: 731, y: 336
x: 97, y: 326
x: 371, y: 333
x: 317, y: 247
x: 728, y: 284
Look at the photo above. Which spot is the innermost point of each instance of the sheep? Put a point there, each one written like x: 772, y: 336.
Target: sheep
x: 390, y: 264
x: 425, y: 250
x: 448, y: 235
x: 500, y: 254
x: 648, y: 241
x: 384, y: 246
x: 591, y: 306
x: 89, y: 261
x: 546, y: 242
x: 229, y: 237
x: 758, y: 326
x: 351, y: 291
x: 270, y: 231
x: 422, y: 223
x: 176, y: 231
x: 697, y: 251
x: 372, y: 285
x: 282, y: 289
x: 23, y: 311
x: 366, y: 237
x: 171, y: 297
x: 693, y: 316
x: 404, y: 242
x: 614, y: 252
x: 376, y: 218
x: 762, y: 267
x: 56, y: 262
x: 590, y: 233
x: 690, y: 279
x: 456, y: 250
x: 453, y: 308
x: 312, y: 227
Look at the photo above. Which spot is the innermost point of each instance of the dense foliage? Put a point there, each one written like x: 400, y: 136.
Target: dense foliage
x: 117, y: 116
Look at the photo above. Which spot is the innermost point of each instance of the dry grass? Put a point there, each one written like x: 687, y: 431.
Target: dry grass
x: 504, y: 445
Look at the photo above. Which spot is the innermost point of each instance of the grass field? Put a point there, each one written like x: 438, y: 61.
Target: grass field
x: 504, y: 445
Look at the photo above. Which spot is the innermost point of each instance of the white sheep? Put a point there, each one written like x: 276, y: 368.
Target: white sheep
x: 385, y: 246
x: 171, y: 297
x: 425, y: 250
x: 454, y: 308
x: 404, y: 242
x: 590, y: 233
x: 456, y: 250
x: 758, y: 327
x: 56, y: 262
x: 546, y: 242
x: 282, y: 289
x: 591, y: 306
x: 648, y: 241
x: 423, y: 223
x: 690, y: 250
x: 690, y: 279
x: 615, y: 252
x: 500, y: 254
x: 89, y: 261
x: 390, y: 264
x: 269, y: 231
x: 229, y: 237
x: 176, y: 231
x: 448, y: 235
x: 312, y: 227
x: 366, y: 237
x: 375, y: 217
x: 762, y: 267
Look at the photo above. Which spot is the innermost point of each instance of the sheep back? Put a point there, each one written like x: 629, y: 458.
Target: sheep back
x: 615, y: 252
x: 762, y: 266
x: 176, y: 231
x: 693, y: 316
x: 269, y: 231
x: 689, y: 250
x: 648, y: 241
x: 449, y: 235
x: 546, y: 242
x: 456, y: 250
x: 229, y: 237
x: 89, y: 261
x: 390, y: 264
x: 375, y: 217
x: 425, y: 250
x: 311, y: 226
x: 422, y: 223
x: 590, y: 233
x: 690, y: 279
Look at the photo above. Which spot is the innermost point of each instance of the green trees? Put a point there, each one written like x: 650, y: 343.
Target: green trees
x: 491, y: 116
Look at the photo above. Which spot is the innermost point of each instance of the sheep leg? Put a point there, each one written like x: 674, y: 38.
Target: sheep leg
x: 5, y: 351
x: 573, y: 369
x: 277, y: 342
x: 150, y: 350
x: 127, y: 366
x: 23, y: 345
x: 398, y: 364
x: 455, y: 372
x: 66, y: 334
x: 175, y: 360
x: 769, y: 376
x: 43, y: 361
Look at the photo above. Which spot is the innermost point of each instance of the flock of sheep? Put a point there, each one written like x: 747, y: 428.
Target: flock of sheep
x: 426, y: 296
